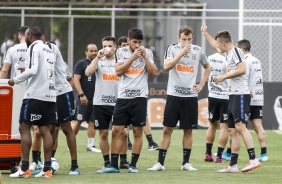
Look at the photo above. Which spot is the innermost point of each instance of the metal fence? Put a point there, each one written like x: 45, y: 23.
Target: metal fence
x: 79, y: 26
x: 263, y: 27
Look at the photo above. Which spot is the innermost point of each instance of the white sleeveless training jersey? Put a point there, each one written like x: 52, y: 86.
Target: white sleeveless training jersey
x: 218, y: 67
x: 39, y: 73
x: 106, y: 89
x: 182, y: 77
x: 133, y: 83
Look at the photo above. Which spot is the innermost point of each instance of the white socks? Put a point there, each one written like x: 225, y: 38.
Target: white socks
x: 90, y: 142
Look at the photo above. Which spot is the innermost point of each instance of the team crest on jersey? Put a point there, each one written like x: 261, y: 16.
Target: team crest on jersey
x: 96, y: 123
x: 124, y: 49
x: 194, y: 56
x: 141, y: 59
x: 196, y: 48
x: 79, y: 117
x: 225, y: 116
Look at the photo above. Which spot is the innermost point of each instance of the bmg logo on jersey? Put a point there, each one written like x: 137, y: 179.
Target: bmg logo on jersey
x: 35, y: 117
x: 110, y: 77
x: 134, y: 71
x: 184, y: 68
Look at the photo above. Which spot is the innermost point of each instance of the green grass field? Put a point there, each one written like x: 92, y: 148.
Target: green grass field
x: 89, y: 162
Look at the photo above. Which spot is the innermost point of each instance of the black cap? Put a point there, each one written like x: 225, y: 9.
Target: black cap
x: 22, y: 29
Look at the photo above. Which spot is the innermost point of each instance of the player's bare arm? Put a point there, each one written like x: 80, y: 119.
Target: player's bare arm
x: 209, y: 38
x: 4, y: 71
x: 207, y: 70
x: 170, y: 63
x: 79, y: 90
x: 241, y: 69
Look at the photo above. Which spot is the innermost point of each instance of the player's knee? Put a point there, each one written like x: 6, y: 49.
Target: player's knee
x: 125, y: 133
x: 103, y: 134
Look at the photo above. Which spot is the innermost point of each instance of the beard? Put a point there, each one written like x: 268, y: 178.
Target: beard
x: 28, y: 43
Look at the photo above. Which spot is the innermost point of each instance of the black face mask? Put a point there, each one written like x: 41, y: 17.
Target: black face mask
x: 28, y: 43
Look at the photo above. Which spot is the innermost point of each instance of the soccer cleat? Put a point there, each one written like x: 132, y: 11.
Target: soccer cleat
x: 252, y: 164
x: 129, y: 146
x: 208, y: 158
x: 93, y: 148
x: 35, y: 172
x: 21, y: 174
x: 226, y: 156
x: 74, y: 172
x: 109, y: 169
x: 229, y: 169
x: 188, y: 167
x: 33, y: 166
x: 132, y: 169
x: 42, y: 174
x: 263, y: 157
x: 157, y: 167
x: 124, y: 165
x: 106, y: 164
x: 153, y: 146
x: 218, y: 160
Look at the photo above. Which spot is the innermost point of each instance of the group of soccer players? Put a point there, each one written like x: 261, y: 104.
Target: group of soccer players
x: 121, y: 91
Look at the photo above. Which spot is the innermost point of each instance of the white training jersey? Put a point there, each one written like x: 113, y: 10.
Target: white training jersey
x: 182, y: 77
x: 257, y: 99
x: 134, y: 82
x: 39, y: 73
x: 218, y: 67
x: 106, y: 86
x: 61, y: 83
x: 68, y: 72
x: 238, y: 85
x: 16, y: 56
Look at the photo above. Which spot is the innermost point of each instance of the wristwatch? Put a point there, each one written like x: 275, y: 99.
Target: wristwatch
x: 81, y: 95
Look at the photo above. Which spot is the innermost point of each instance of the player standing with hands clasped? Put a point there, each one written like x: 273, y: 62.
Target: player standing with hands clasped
x: 182, y: 60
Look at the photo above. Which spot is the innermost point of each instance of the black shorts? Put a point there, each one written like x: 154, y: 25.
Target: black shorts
x: 130, y: 111
x: 184, y: 109
x: 37, y: 112
x: 103, y: 115
x: 256, y: 112
x: 218, y: 109
x: 65, y: 107
x: 84, y: 113
x: 238, y: 109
